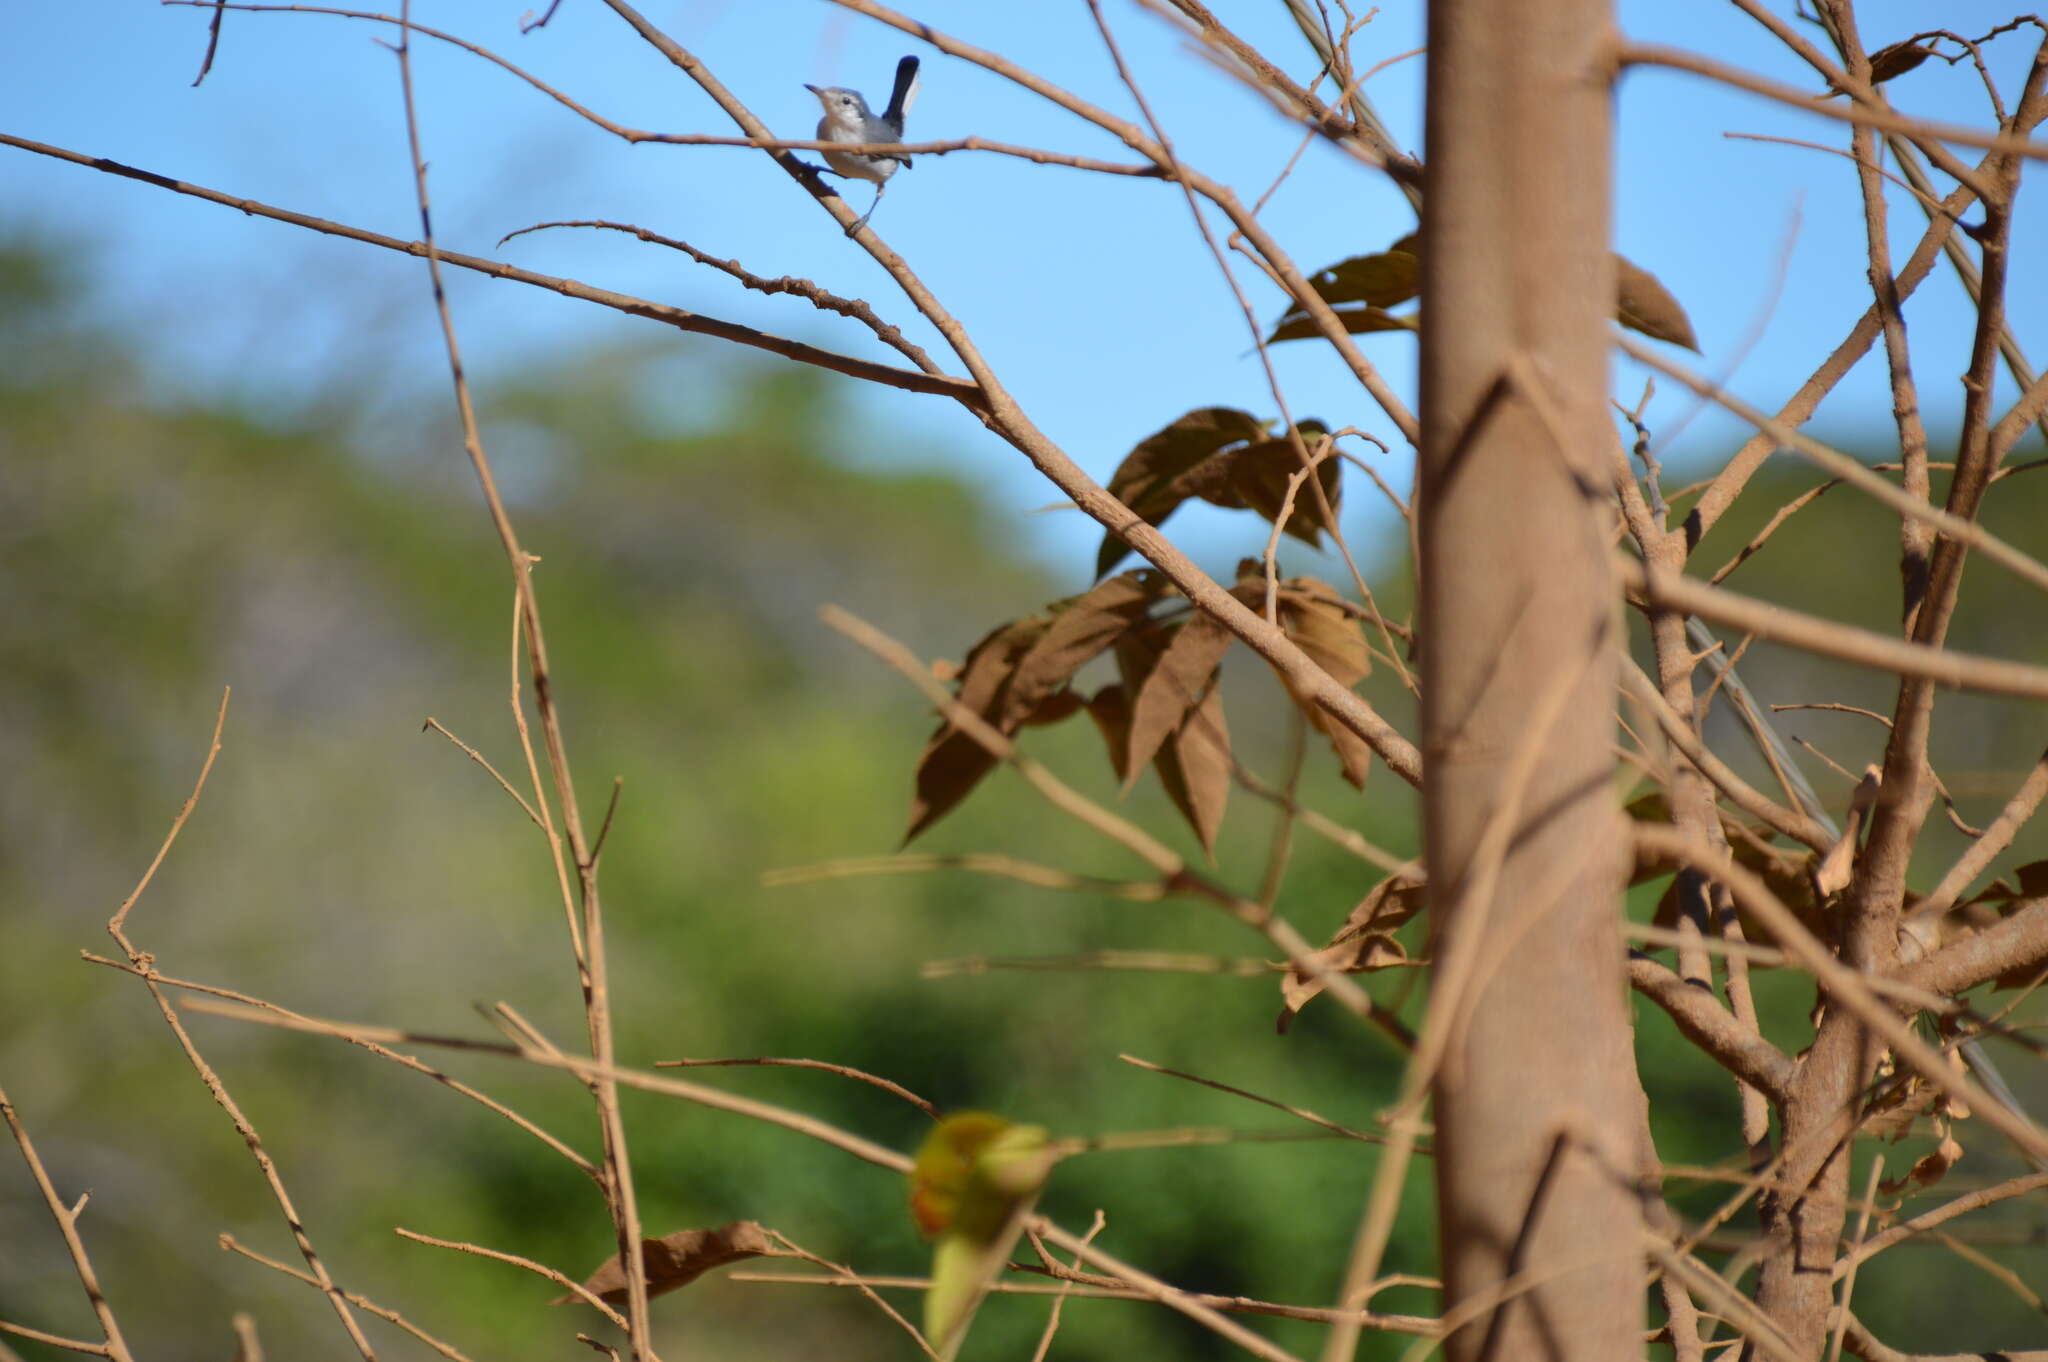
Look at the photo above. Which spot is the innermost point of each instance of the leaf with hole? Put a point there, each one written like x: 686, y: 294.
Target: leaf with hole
x: 1360, y: 290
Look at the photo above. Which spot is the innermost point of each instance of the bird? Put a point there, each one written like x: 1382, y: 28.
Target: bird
x: 847, y: 119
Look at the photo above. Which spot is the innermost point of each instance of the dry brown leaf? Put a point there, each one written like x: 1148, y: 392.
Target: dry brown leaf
x: 1365, y: 942
x: 2028, y: 881
x: 952, y: 762
x: 1359, y: 321
x: 1895, y: 1107
x: 2027, y: 884
x: 1788, y: 873
x: 1386, y: 279
x: 1930, y: 1168
x: 1255, y: 477
x: 1193, y: 759
x: 1144, y: 480
x: 676, y: 1260
x: 1360, y: 289
x: 1195, y: 768
x: 1110, y: 708
x: 1018, y: 675
x: 1838, y: 867
x: 1178, y: 680
x: 1081, y: 628
x: 1354, y: 754
x: 1642, y: 303
x: 1055, y: 708
x: 1896, y: 60
x: 1262, y: 472
x: 1316, y: 618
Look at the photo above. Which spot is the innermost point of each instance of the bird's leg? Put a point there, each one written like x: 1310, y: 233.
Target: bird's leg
x: 862, y: 220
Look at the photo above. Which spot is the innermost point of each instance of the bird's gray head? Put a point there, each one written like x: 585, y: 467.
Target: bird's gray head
x: 844, y: 107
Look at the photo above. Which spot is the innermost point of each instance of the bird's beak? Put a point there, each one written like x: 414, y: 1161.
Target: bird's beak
x: 814, y: 90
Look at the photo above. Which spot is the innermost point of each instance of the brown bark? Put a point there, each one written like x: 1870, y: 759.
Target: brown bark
x: 1794, y: 1286
x: 1534, y: 1135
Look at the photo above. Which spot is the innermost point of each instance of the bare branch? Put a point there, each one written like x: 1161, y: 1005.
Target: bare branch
x: 2018, y: 942
x: 360, y: 1301
x: 1957, y: 527
x: 1925, y: 133
x: 1718, y: 1033
x: 115, y: 1346
x: 1846, y: 985
x: 843, y: 1070
x: 907, y: 379
x: 1816, y: 635
x: 1986, y: 849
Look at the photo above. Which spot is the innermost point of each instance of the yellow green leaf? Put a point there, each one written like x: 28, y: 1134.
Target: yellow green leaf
x: 974, y: 1181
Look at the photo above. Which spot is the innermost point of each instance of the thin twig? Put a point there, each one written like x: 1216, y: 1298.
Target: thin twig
x: 220, y: 719
x: 974, y: 862
x: 857, y: 309
x: 849, y: 1277
x: 1052, y: 1319
x: 1994, y: 676
x: 1925, y: 133
x: 639, y: 135
x: 1927, y: 1220
x: 1302, y: 1112
x: 577, y: 1289
x: 1093, y: 1287
x: 212, y: 40
x: 144, y: 964
x: 618, y: 1181
x: 589, y: 1070
x: 360, y: 1301
x: 485, y: 762
x: 843, y: 1070
x: 1958, y: 528
x: 75, y: 1345
x: 1143, y: 962
x: 153, y: 975
x: 1997, y: 837
x: 114, y: 1345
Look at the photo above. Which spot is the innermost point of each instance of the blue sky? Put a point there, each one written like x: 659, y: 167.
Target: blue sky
x: 1093, y: 296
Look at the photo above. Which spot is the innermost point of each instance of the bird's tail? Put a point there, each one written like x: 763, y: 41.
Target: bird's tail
x: 900, y: 98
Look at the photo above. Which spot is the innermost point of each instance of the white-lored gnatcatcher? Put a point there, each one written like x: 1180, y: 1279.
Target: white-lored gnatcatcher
x: 847, y: 120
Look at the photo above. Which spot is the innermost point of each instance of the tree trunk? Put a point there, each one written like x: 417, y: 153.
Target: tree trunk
x: 1534, y: 1149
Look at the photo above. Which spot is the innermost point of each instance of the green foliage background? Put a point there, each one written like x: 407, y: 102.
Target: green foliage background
x: 346, y: 865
